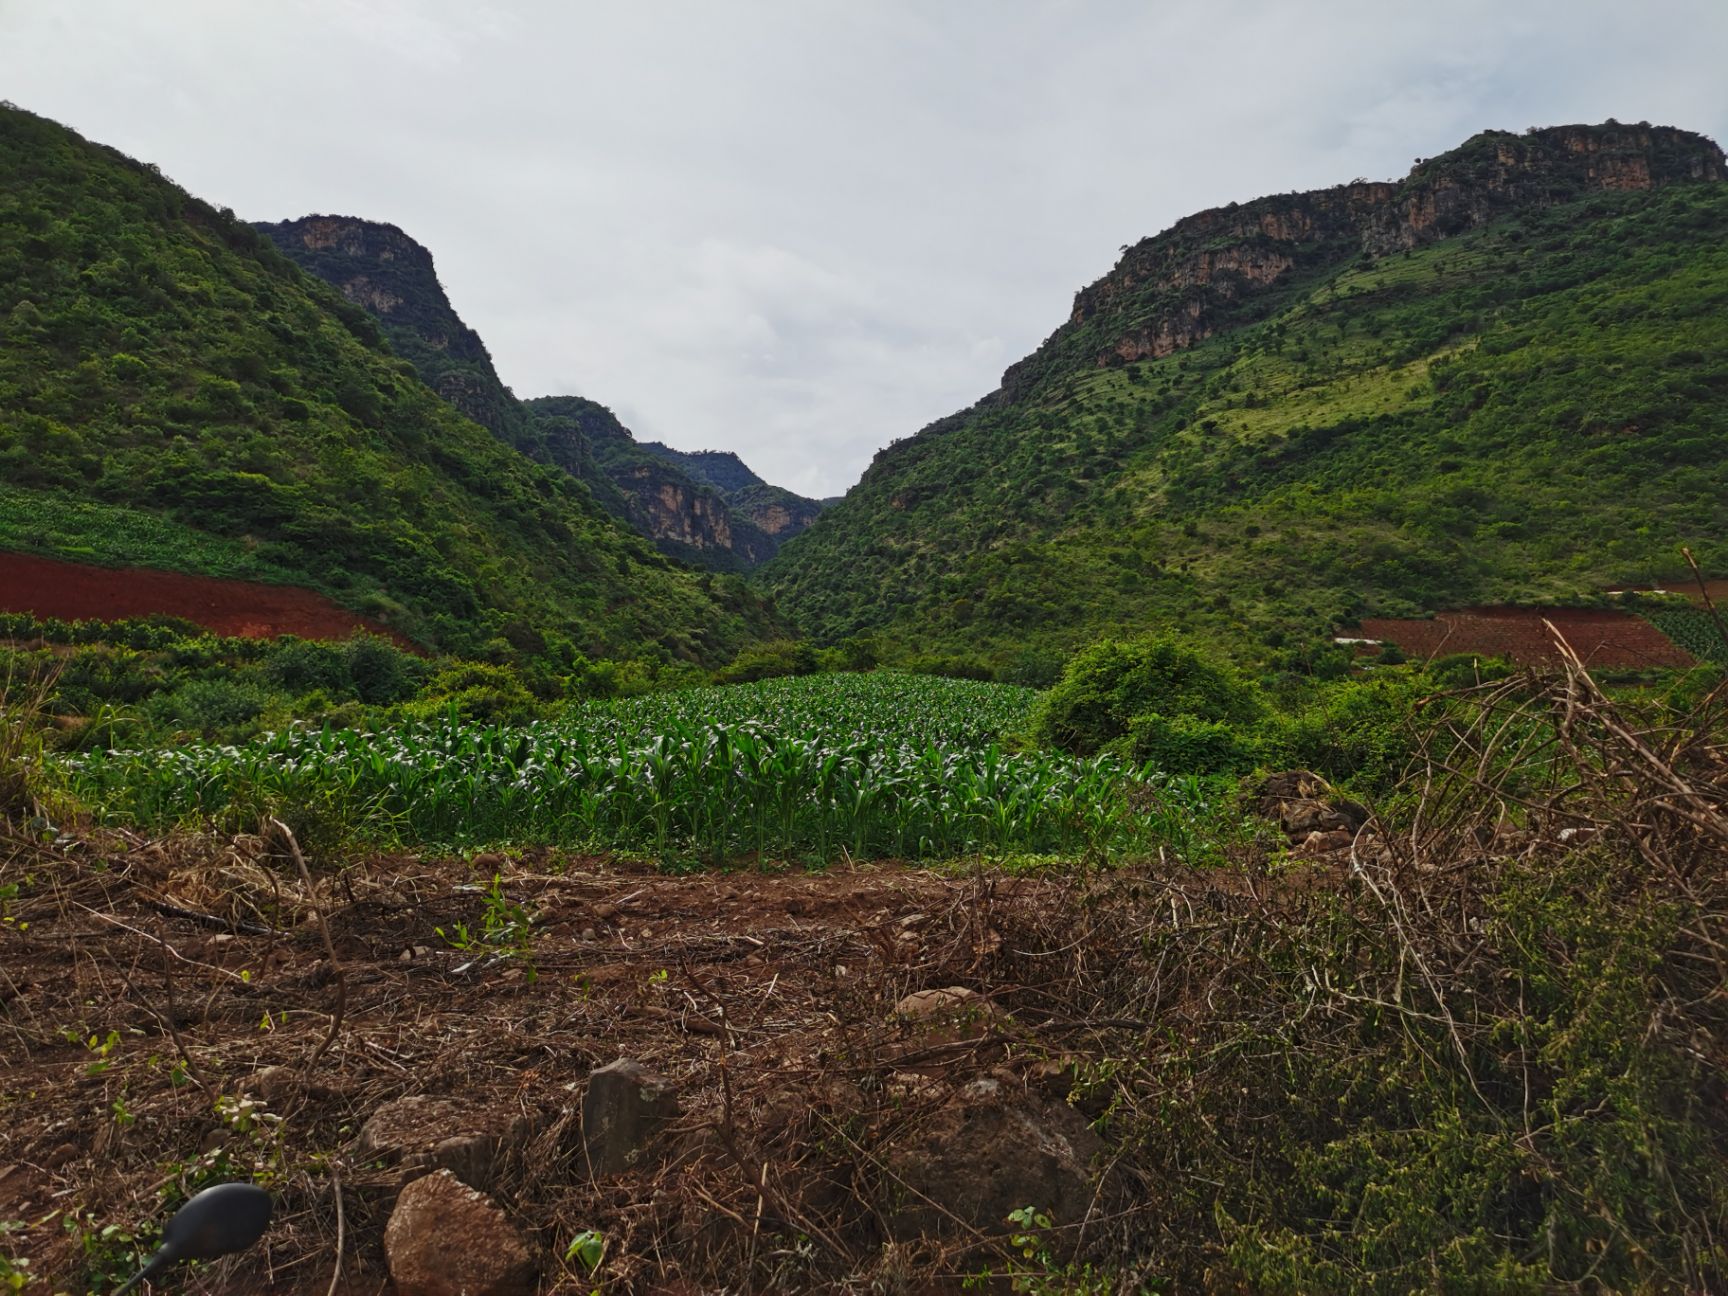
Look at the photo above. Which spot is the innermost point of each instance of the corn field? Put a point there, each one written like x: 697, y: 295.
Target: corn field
x: 818, y: 768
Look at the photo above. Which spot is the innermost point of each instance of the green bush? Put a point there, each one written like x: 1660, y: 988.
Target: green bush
x: 477, y: 692
x: 380, y: 672
x: 1106, y: 688
x: 770, y: 661
x: 210, y: 706
x: 1190, y: 745
x: 1358, y: 730
x: 950, y: 666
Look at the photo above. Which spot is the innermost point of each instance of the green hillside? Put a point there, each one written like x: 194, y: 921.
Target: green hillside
x: 1502, y: 379
x: 166, y: 373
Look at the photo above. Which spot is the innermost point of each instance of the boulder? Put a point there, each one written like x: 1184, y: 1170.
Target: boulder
x: 952, y: 1001
x: 625, y: 1106
x: 446, y: 1239
x: 420, y: 1134
x: 990, y: 1150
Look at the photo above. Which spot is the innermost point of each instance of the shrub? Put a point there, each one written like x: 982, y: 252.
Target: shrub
x: 381, y: 673
x: 769, y: 661
x: 950, y: 666
x: 1356, y: 730
x: 478, y: 692
x: 1189, y: 745
x: 1112, y: 684
x: 210, y: 706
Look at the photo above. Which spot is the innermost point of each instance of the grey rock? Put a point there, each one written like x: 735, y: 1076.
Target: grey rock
x: 625, y: 1106
x: 420, y: 1134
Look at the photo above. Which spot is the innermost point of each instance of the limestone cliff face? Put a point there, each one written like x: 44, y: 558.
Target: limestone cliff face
x: 378, y: 267
x: 1169, y: 292
x: 776, y: 512
x: 685, y: 515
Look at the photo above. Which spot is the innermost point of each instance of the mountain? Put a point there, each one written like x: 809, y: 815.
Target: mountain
x: 1500, y: 379
x: 674, y: 498
x: 175, y: 393
x: 774, y: 510
x: 685, y: 516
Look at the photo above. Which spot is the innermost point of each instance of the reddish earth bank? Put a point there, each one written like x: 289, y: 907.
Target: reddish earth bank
x: 1600, y: 637
x: 48, y: 587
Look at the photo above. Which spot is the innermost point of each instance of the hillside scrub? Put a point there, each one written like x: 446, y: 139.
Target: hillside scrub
x: 163, y: 682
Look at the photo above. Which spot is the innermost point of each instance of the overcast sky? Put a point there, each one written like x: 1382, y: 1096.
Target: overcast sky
x: 799, y: 229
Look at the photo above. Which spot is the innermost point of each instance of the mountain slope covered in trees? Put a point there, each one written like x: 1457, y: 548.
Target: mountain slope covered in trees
x: 1502, y: 378
x: 175, y: 393
x: 704, y: 507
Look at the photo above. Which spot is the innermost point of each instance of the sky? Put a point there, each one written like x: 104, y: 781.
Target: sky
x: 802, y: 229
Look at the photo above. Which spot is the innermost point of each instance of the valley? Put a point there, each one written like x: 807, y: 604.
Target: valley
x: 1242, y: 806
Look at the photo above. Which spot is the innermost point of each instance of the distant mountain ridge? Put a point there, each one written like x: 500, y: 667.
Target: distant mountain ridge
x: 680, y: 500
x: 1502, y: 378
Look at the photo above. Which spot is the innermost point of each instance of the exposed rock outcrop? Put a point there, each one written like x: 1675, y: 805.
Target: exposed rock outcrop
x: 624, y: 1107
x: 989, y: 1151
x: 1169, y: 292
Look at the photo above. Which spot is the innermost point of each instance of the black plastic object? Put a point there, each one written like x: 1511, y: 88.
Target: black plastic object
x: 219, y: 1221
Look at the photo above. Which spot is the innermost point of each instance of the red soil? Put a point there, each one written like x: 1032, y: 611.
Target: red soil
x: 48, y: 587
x: 1600, y: 637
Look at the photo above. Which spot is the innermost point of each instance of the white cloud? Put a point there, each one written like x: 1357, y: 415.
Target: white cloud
x: 802, y: 228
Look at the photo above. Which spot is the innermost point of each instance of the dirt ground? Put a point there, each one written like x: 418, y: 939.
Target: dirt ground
x: 48, y: 587
x: 1603, y: 638
x: 144, y: 985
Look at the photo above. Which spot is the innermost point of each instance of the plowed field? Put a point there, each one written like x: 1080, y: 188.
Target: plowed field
x: 49, y: 587
x: 1600, y: 637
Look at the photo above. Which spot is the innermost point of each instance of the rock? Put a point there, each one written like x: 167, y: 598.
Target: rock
x: 937, y: 1017
x: 1299, y: 818
x: 446, y: 1239
x: 1303, y: 803
x: 421, y: 1134
x: 625, y: 1106
x: 989, y: 1151
x: 274, y: 1083
x: 922, y: 1005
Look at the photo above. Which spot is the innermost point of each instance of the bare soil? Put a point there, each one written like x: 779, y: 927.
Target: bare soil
x: 1601, y: 637
x: 768, y: 998
x: 50, y: 587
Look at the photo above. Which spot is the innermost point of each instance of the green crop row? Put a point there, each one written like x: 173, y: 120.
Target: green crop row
x: 823, y: 767
x: 1693, y: 629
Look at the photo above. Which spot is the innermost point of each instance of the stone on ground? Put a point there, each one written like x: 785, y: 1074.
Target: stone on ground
x: 446, y: 1239
x: 989, y: 1151
x: 625, y: 1106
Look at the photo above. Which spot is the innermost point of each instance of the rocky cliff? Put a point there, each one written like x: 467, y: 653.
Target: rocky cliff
x: 1213, y: 270
x: 779, y: 513
x: 680, y: 500
x: 378, y: 267
x: 686, y: 515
